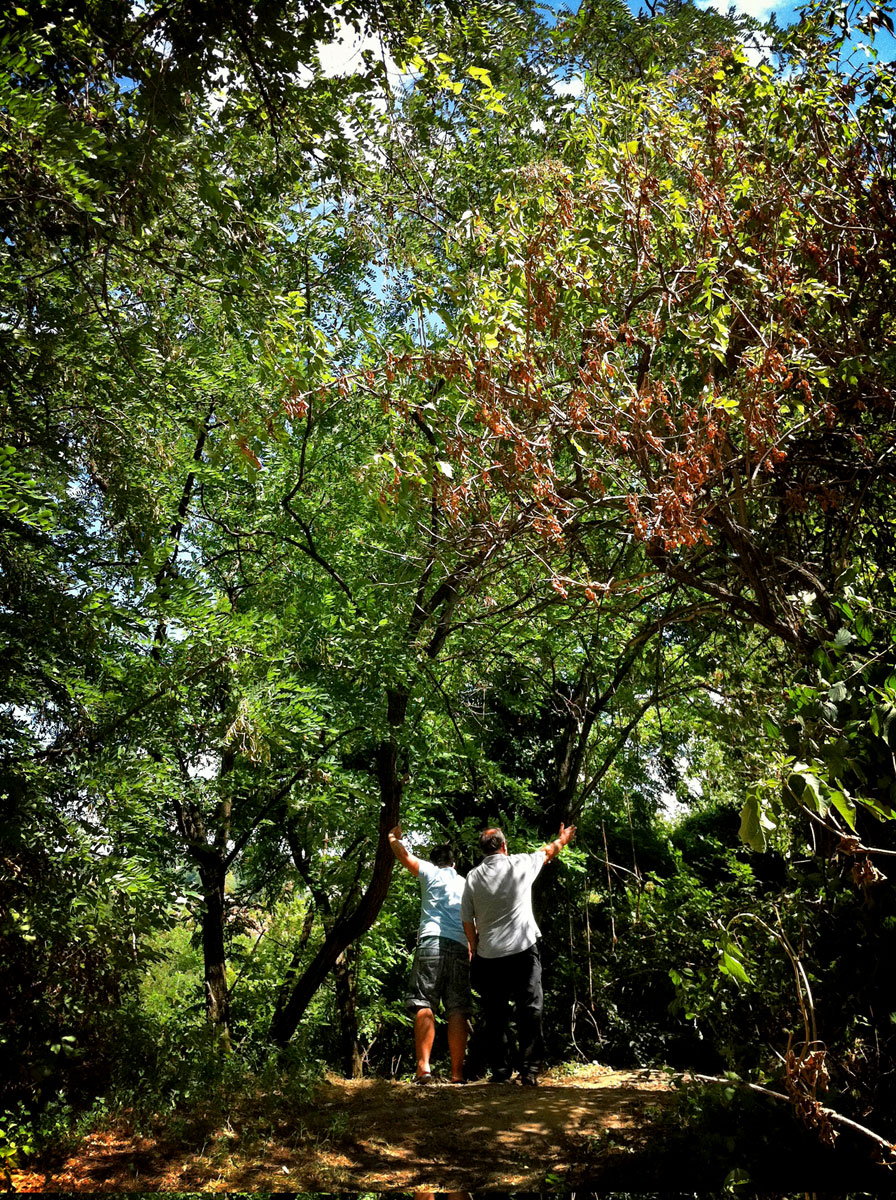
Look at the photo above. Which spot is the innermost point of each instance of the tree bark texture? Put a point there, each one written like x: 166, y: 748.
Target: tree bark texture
x: 345, y: 975
x: 291, y: 1005
x: 212, y: 874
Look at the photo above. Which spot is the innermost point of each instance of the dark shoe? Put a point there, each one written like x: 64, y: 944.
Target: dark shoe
x: 422, y: 1079
x: 529, y: 1079
x: 458, y: 1081
x: 500, y: 1077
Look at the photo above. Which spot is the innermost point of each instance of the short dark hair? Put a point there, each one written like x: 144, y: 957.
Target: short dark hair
x: 491, y: 841
x: 442, y: 856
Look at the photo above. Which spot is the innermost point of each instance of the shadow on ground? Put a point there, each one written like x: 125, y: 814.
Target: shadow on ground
x: 615, y: 1131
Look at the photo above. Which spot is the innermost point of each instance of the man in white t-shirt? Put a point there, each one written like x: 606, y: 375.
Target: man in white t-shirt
x: 441, y: 970
x: 497, y: 916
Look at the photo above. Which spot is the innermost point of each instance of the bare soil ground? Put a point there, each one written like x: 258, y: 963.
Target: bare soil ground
x: 379, y: 1135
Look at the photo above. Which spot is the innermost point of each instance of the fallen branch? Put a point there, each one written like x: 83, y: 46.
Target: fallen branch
x: 836, y: 1118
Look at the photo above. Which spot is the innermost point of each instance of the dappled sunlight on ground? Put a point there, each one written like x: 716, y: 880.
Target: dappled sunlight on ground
x: 376, y: 1134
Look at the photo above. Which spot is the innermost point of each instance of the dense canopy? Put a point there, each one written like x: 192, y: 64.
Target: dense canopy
x: 447, y: 414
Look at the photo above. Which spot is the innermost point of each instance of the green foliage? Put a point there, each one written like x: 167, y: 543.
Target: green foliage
x: 835, y: 730
x: 305, y: 520
x: 73, y: 951
x: 613, y: 44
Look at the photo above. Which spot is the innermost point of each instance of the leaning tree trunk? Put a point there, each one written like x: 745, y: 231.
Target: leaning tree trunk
x: 297, y: 994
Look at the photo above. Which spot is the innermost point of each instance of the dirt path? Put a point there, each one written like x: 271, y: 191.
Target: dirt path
x: 377, y: 1135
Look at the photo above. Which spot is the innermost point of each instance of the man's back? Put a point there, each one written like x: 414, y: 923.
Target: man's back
x: 498, y: 895
x: 441, y: 889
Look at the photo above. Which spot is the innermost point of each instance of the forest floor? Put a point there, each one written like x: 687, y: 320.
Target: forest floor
x: 379, y: 1135
x: 581, y: 1128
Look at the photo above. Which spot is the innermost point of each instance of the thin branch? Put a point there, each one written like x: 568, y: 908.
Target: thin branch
x: 311, y: 550
x: 854, y: 845
x: 781, y: 938
x: 54, y: 752
x: 281, y: 794
x: 835, y: 1117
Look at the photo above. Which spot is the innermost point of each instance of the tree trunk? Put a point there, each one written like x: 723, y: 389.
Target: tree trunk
x: 345, y: 975
x: 293, y: 1002
x: 580, y: 714
x: 212, y: 873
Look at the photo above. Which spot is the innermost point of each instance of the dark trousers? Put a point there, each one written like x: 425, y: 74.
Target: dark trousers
x: 500, y: 981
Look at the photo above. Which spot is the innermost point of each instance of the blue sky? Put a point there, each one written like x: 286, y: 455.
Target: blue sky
x: 344, y: 53
x: 786, y: 14
x: 784, y: 10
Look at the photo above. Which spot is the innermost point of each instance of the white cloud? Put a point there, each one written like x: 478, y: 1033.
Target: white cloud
x: 343, y: 56
x: 224, y: 81
x: 574, y: 87
x: 760, y: 9
x: 757, y: 46
x: 758, y: 49
x: 207, y: 766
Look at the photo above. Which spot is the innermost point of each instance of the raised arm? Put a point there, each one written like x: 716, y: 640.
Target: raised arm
x: 401, y: 852
x: 563, y: 838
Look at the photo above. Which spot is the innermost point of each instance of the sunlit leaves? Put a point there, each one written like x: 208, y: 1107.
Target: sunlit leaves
x: 656, y: 299
x: 755, y: 823
x: 731, y: 960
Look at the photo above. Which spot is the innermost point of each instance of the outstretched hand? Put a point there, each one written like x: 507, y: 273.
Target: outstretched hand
x: 395, y: 832
x: 567, y: 833
x: 565, y: 836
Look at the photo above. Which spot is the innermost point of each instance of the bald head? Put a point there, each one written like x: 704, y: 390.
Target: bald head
x: 492, y: 841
